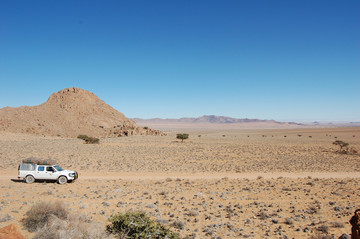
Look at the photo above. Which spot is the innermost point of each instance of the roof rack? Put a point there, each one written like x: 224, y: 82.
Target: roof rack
x: 39, y: 161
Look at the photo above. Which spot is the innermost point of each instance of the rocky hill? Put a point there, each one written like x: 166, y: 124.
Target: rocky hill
x: 68, y: 113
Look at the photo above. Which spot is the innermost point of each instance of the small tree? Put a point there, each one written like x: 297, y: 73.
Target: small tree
x: 182, y: 136
x: 342, y: 145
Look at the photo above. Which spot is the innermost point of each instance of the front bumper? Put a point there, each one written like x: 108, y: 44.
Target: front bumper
x: 73, y: 176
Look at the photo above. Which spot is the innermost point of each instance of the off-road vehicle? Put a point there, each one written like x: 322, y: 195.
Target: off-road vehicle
x: 32, y: 169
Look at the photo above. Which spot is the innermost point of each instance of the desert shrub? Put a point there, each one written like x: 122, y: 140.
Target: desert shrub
x: 182, y: 136
x: 74, y: 226
x: 91, y: 140
x: 262, y: 215
x: 88, y: 140
x: 138, y: 225
x: 324, y: 229
x: 289, y: 221
x: 82, y: 136
x: 40, y: 213
x: 51, y: 220
x: 318, y: 235
x: 192, y: 213
x: 178, y: 224
x: 338, y: 225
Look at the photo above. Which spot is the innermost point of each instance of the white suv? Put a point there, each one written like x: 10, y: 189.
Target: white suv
x: 31, y: 171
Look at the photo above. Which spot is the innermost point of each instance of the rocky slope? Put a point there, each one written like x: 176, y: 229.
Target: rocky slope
x: 68, y: 113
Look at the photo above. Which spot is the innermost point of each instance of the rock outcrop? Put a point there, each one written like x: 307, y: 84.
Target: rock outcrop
x: 68, y: 113
x: 10, y: 232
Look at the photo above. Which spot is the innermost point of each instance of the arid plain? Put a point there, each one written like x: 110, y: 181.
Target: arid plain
x: 219, y: 183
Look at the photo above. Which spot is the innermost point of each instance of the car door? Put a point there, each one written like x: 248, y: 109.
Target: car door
x: 51, y: 173
x: 40, y: 172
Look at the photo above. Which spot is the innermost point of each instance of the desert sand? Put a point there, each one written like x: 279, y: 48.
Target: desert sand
x: 219, y: 183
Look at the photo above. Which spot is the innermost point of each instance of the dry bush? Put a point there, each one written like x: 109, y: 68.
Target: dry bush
x: 51, y: 220
x: 321, y: 236
x: 338, y: 225
x: 39, y: 214
x: 324, y: 229
x: 178, y: 225
x: 75, y: 227
x: 289, y: 221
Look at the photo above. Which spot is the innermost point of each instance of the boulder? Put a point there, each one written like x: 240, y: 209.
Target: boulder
x: 345, y: 236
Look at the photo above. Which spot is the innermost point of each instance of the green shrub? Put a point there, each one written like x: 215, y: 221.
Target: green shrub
x: 82, y: 136
x: 40, y: 213
x: 91, y: 140
x: 138, y: 225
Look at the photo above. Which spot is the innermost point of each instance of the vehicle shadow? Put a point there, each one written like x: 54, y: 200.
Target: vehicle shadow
x: 17, y: 180
x: 37, y: 181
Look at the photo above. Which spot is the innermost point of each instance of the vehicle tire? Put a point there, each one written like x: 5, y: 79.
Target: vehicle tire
x: 62, y: 180
x: 29, y: 179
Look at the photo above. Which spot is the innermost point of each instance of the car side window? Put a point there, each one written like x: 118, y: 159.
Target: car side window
x: 49, y: 169
x: 41, y: 168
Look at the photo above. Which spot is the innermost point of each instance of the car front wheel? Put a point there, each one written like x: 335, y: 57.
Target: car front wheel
x: 62, y: 180
x: 29, y: 179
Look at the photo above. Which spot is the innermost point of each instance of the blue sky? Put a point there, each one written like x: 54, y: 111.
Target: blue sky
x: 283, y: 60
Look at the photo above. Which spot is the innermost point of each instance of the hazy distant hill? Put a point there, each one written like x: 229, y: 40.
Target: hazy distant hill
x: 71, y: 112
x: 209, y: 119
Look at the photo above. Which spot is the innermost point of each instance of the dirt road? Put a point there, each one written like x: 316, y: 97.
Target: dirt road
x: 8, y: 175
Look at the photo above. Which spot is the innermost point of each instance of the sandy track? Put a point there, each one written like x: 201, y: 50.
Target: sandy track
x: 194, y: 176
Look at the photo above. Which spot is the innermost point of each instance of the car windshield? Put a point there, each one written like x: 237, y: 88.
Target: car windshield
x: 58, y: 168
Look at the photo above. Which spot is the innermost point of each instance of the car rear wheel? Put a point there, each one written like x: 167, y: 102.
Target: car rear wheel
x: 29, y: 179
x: 62, y: 180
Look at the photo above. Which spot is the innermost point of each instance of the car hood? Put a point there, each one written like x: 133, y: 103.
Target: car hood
x: 67, y: 171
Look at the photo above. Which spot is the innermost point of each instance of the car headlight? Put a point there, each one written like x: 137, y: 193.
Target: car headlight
x: 72, y: 174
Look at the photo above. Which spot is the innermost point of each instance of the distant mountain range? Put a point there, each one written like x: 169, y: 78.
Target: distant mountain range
x: 209, y: 119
